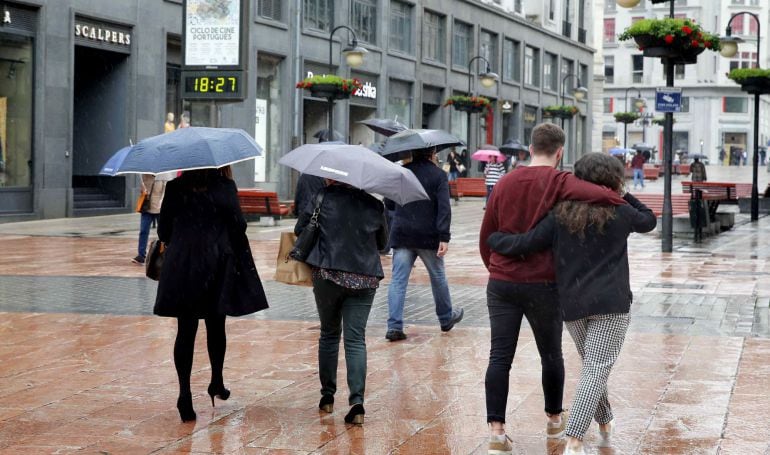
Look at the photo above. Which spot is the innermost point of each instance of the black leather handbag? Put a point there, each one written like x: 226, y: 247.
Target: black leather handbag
x: 309, y: 236
x: 154, y: 261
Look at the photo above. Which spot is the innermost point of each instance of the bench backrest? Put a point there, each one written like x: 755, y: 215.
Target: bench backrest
x: 259, y: 201
x: 679, y: 203
x: 715, y: 190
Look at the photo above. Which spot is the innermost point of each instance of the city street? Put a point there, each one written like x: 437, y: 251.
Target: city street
x: 86, y: 368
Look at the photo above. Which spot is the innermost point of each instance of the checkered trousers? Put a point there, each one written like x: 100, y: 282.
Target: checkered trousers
x: 598, y: 340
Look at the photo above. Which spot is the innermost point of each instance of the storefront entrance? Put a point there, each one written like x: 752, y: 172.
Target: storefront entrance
x: 99, y: 126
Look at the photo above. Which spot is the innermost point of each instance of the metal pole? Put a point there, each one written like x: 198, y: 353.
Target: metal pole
x: 330, y: 101
x: 625, y: 125
x: 668, y: 132
x: 754, y: 187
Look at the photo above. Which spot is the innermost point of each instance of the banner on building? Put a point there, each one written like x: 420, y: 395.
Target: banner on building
x: 260, y: 135
x: 212, y: 33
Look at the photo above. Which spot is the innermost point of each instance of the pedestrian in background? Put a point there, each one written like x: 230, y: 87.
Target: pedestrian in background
x: 525, y: 286
x: 454, y: 162
x: 637, y: 165
x: 465, y: 162
x: 346, y: 274
x: 492, y: 173
x: 421, y: 229
x: 594, y: 289
x: 698, y: 171
x: 153, y: 189
x: 208, y: 272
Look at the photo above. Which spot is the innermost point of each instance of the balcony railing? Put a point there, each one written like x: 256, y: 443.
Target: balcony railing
x: 582, y: 33
x: 566, y: 29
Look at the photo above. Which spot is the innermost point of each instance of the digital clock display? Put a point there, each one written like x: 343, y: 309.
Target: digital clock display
x: 212, y: 85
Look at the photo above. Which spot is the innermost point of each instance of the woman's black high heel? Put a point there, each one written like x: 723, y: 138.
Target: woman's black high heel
x: 327, y: 403
x: 185, y: 407
x: 219, y: 391
x: 356, y: 415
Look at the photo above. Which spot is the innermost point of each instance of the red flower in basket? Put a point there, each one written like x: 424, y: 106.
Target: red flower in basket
x: 695, y: 43
x: 707, y: 44
x: 687, y: 30
x: 669, y: 39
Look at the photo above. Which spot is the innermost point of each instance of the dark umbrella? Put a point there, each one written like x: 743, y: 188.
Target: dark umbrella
x: 419, y: 139
x: 513, y: 147
x: 384, y: 126
x: 186, y: 149
x: 324, y: 135
x: 359, y: 167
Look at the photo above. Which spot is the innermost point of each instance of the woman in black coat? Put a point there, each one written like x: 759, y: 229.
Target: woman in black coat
x: 208, y: 271
x: 346, y: 273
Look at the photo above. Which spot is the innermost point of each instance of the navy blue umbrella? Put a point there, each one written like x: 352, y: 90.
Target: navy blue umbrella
x: 188, y: 148
x: 113, y: 164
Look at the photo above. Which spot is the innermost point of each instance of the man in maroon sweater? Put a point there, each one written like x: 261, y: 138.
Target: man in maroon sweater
x: 525, y: 286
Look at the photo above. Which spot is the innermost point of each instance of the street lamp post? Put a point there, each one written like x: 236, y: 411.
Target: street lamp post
x: 487, y: 79
x: 578, y: 93
x: 646, y: 118
x: 354, y: 57
x: 638, y: 103
x: 729, y: 49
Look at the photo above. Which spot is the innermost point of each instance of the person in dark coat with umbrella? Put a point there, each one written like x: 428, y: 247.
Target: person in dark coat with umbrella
x: 208, y: 271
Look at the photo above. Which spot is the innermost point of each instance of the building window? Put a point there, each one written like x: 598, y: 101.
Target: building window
x: 609, y: 105
x: 433, y: 37
x: 363, y: 19
x: 609, y: 69
x: 16, y: 72
x: 269, y: 109
x: 318, y: 14
x: 462, y: 43
x: 518, y: 6
x: 610, y: 7
x: 551, y: 10
x: 511, y: 60
x: 735, y: 105
x: 488, y: 49
x: 529, y: 120
x: 270, y: 9
x: 678, y: 71
x: 584, y: 75
x: 685, y: 104
x: 637, y: 68
x: 609, y: 29
x: 401, y: 26
x: 744, y: 60
x: 568, y: 67
x: 550, y: 76
x: 532, y: 66
x: 400, y: 101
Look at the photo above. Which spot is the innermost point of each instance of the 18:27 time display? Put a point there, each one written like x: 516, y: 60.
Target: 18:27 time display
x: 213, y: 85
x: 220, y: 84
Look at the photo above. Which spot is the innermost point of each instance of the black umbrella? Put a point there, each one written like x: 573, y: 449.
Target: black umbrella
x: 359, y: 167
x: 324, y: 136
x: 384, y: 126
x: 513, y: 147
x: 418, y: 140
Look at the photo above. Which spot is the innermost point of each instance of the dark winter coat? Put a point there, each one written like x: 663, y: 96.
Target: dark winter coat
x: 423, y: 224
x: 208, y: 267
x: 591, y: 273
x: 353, y: 230
x: 307, y: 187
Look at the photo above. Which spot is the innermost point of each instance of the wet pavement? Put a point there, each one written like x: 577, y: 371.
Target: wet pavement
x: 86, y: 368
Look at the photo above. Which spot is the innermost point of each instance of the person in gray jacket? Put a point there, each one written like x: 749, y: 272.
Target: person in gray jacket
x: 589, y: 244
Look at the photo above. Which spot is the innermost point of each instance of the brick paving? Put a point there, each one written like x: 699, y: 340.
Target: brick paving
x: 85, y: 368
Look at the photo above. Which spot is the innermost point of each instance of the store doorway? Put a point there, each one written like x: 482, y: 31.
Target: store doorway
x: 99, y: 126
x: 361, y: 134
x: 431, y: 116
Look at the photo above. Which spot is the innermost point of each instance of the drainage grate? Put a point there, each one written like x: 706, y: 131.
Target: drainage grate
x: 674, y: 286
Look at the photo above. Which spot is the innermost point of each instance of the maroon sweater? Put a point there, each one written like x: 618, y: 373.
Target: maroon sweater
x: 519, y: 201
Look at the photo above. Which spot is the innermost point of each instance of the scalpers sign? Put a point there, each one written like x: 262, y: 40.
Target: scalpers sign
x: 213, y: 33
x: 105, y: 35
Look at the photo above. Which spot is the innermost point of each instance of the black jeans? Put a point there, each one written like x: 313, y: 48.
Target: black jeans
x: 508, y: 303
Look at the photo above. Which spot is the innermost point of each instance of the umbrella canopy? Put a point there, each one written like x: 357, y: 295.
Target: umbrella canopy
x: 113, y: 164
x: 489, y: 147
x: 642, y: 146
x: 486, y: 155
x: 384, y: 126
x: 186, y: 149
x: 325, y: 136
x: 419, y: 139
x: 513, y: 147
x: 620, y: 151
x: 359, y: 167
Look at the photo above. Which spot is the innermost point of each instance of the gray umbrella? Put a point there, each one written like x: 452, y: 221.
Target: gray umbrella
x: 419, y: 139
x: 384, y: 126
x: 324, y: 135
x: 359, y: 167
x: 513, y: 146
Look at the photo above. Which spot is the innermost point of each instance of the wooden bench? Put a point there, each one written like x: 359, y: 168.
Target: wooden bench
x: 263, y: 203
x: 683, y: 169
x: 471, y: 187
x: 679, y: 203
x: 743, y: 190
x: 453, y: 192
x: 724, y: 191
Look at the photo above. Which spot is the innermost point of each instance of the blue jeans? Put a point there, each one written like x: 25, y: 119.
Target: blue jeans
x: 453, y: 175
x: 403, y: 261
x: 342, y: 311
x: 639, y: 177
x: 148, y: 219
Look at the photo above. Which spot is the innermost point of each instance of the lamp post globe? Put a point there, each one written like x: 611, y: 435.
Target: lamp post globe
x: 488, y: 79
x: 354, y: 56
x: 639, y: 103
x: 729, y: 47
x: 628, y: 3
x: 580, y: 93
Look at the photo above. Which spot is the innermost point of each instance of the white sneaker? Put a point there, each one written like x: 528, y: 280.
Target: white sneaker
x: 569, y: 451
x: 500, y: 445
x: 605, y: 437
x: 556, y: 430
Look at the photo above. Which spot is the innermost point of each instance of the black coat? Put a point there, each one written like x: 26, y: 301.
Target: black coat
x: 591, y: 273
x: 208, y: 267
x: 353, y: 230
x: 307, y: 187
x: 423, y: 224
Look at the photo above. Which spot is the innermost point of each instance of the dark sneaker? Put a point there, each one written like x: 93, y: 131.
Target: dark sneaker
x: 457, y: 316
x: 395, y: 335
x: 138, y: 260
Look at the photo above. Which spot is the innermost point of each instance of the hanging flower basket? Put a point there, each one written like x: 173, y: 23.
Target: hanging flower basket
x: 752, y: 80
x: 678, y: 39
x: 660, y: 121
x: 626, y: 117
x: 472, y: 104
x: 560, y: 111
x: 330, y: 87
